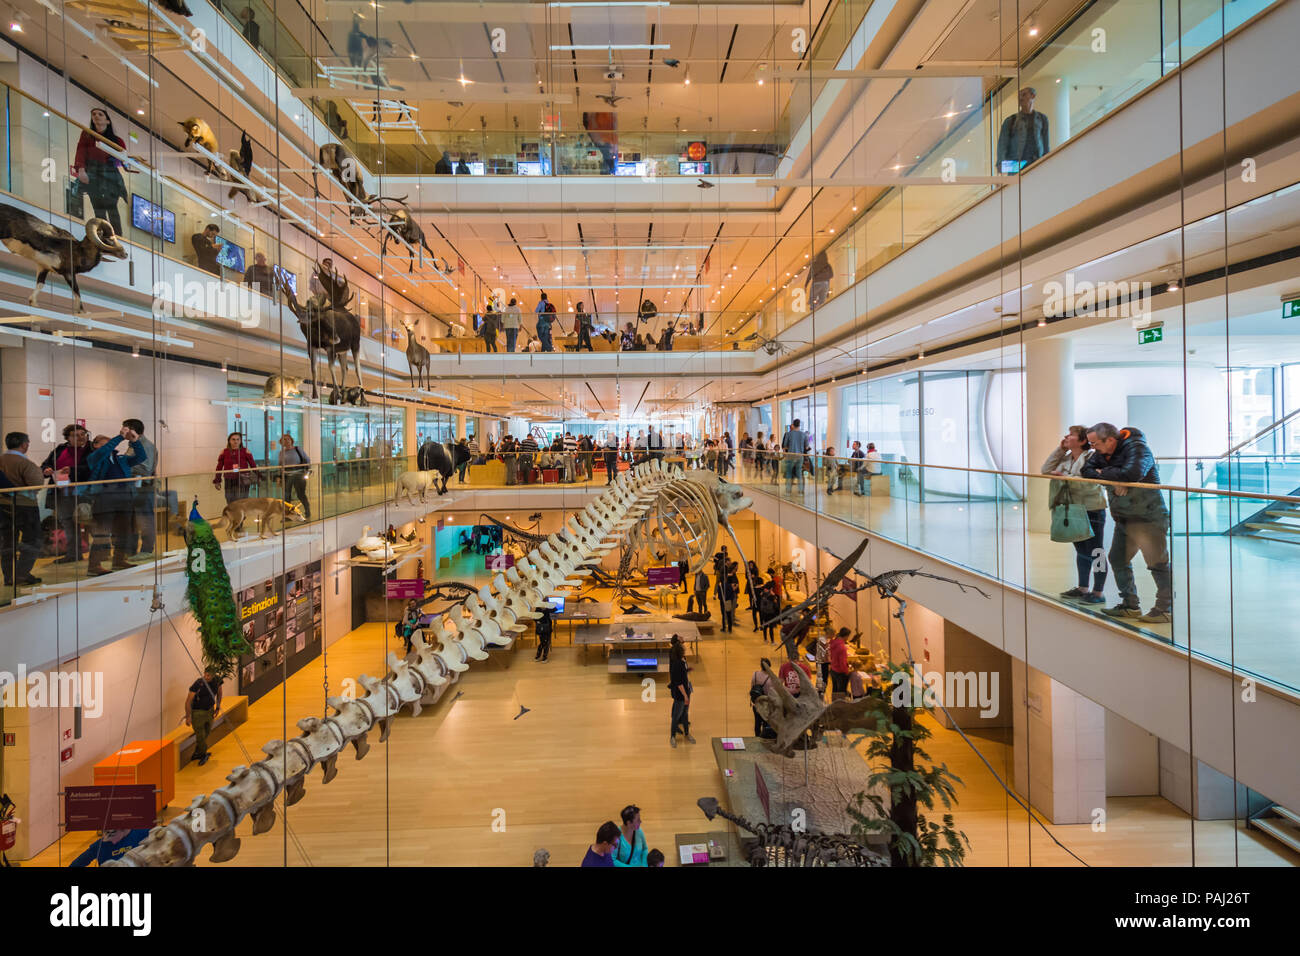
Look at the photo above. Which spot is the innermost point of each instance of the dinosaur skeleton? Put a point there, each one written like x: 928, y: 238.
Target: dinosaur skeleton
x: 781, y: 845
x: 438, y: 658
x: 792, y: 717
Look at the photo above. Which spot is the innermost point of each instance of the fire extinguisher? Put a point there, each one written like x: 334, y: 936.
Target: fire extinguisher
x: 8, y: 827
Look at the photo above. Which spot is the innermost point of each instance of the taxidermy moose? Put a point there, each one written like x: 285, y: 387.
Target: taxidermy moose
x: 330, y: 328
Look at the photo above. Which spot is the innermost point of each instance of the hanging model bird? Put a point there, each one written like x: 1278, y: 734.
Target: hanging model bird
x: 210, y: 597
x: 611, y: 99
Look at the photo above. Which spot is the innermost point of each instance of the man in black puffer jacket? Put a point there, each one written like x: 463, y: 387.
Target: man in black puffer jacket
x: 1141, y: 518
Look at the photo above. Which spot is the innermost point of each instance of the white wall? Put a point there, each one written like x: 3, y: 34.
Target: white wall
x: 104, y: 387
x: 1102, y: 394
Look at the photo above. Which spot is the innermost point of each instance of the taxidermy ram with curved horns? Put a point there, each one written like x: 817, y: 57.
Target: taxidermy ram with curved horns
x: 56, y: 250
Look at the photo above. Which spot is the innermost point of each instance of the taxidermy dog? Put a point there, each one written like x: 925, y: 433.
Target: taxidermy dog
x: 198, y: 131
x: 266, y: 511
x: 282, y: 386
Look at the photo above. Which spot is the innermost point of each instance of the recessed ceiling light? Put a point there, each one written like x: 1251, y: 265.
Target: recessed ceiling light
x: 15, y: 26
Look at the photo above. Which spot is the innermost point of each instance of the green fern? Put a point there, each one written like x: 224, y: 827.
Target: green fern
x: 211, y: 598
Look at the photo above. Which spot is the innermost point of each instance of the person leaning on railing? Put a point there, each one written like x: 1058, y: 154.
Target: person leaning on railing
x: 67, y: 468
x: 1141, y: 518
x: 113, y: 502
x: 1068, y: 459
x: 22, y: 536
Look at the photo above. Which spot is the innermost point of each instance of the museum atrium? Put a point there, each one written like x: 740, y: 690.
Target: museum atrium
x: 413, y: 408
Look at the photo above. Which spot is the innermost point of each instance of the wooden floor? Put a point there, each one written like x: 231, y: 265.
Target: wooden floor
x: 476, y: 781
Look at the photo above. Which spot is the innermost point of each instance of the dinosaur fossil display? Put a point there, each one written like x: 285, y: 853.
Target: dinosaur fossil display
x: 782, y: 845
x: 440, y: 653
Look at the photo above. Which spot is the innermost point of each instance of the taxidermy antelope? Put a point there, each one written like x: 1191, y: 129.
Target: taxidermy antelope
x: 417, y: 357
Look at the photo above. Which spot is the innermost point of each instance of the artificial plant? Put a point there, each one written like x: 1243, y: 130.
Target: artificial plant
x: 893, y: 737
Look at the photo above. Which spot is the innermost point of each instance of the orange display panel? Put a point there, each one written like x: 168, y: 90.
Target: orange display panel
x: 140, y: 762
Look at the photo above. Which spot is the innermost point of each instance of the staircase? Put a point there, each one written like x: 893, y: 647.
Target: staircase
x: 1276, y: 521
x: 1281, y: 824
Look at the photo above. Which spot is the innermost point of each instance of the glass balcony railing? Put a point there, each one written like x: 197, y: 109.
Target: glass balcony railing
x: 1142, y: 42
x: 65, y: 531
x: 1224, y: 603
x: 34, y: 134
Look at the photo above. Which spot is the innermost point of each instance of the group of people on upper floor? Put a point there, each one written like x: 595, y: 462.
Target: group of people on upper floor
x: 101, y: 495
x: 793, y: 455
x: 1122, y: 458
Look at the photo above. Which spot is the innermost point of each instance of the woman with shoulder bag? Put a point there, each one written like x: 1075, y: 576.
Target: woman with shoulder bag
x: 96, y: 173
x: 236, y: 469
x: 1078, y: 515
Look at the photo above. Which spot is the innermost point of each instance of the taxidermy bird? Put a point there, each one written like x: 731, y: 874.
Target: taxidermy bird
x: 409, y: 537
x: 242, y: 160
x: 610, y: 98
x: 705, y: 184
x: 669, y: 61
x: 210, y: 597
x: 198, y: 131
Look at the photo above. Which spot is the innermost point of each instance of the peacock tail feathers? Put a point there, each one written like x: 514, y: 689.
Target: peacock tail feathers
x: 211, y: 598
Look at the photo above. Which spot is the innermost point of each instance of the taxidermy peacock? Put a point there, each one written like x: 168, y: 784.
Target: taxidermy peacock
x: 211, y: 598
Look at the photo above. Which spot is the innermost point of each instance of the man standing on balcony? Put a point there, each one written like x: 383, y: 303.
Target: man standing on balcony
x: 510, y: 323
x: 1023, y: 138
x: 206, y: 249
x: 1141, y: 518
x: 794, y: 445
x: 23, y: 539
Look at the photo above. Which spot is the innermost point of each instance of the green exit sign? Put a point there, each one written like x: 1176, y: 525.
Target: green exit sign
x: 1153, y: 334
x: 1291, y: 309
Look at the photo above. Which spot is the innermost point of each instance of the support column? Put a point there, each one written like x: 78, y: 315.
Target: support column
x: 410, y: 437
x: 834, y: 430
x: 460, y: 426
x: 1049, y: 411
x: 778, y: 426
x: 1060, y: 747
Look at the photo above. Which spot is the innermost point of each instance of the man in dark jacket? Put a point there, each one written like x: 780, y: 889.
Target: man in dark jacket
x: 1141, y: 518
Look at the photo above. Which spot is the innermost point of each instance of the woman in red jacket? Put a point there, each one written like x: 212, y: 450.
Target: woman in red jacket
x: 236, y: 469
x: 97, y: 171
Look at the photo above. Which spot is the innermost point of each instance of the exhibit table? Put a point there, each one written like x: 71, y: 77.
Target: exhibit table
x: 645, y: 649
x: 585, y: 612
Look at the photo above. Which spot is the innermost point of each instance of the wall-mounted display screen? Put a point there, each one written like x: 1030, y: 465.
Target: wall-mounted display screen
x: 695, y: 169
x: 230, y: 255
x: 290, y: 279
x: 153, y: 218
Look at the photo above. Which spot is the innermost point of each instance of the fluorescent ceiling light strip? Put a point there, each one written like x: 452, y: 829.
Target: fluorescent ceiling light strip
x: 569, y: 285
x: 603, y: 248
x: 43, y: 337
x: 607, y: 3
x: 558, y: 47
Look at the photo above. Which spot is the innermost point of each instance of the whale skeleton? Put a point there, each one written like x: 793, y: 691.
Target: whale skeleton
x: 438, y: 657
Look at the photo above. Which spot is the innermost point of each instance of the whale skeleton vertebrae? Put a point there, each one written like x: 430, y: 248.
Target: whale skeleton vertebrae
x: 439, y: 656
